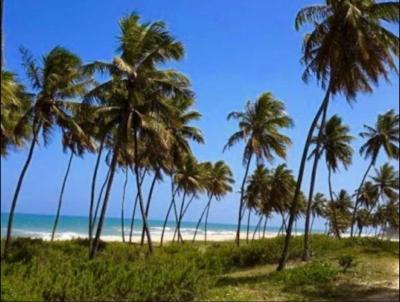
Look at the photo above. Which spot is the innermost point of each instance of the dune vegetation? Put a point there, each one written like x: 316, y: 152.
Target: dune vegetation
x: 139, y: 121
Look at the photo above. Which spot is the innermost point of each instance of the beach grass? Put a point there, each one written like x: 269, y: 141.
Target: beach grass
x: 55, y: 271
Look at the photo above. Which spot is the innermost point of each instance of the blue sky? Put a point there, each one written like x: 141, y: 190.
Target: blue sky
x: 235, y: 50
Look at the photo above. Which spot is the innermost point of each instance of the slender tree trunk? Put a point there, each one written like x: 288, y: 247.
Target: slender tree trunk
x: 178, y: 225
x: 134, y: 208
x: 257, y: 227
x: 332, y: 200
x: 60, y: 199
x: 241, y: 200
x: 353, y: 217
x: 248, y: 226
x: 293, y: 208
x: 306, y: 251
x: 201, y: 218
x: 93, y: 190
x: 206, y: 221
x: 99, y: 199
x: 36, y: 130
x: 173, y: 193
x: 139, y: 189
x: 148, y: 203
x: 96, y: 240
x: 265, y: 226
x: 123, y: 206
x: 312, y: 223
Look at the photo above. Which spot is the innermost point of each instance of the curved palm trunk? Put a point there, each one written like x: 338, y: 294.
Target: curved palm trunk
x: 312, y: 223
x: 353, y: 217
x: 265, y: 226
x: 93, y: 190
x: 178, y: 225
x: 201, y: 218
x: 99, y: 198
x: 322, y: 109
x: 173, y: 193
x: 18, y: 189
x: 241, y: 201
x: 60, y: 200
x: 139, y: 189
x: 96, y: 240
x: 123, y: 206
x: 248, y: 226
x: 206, y: 221
x: 335, y: 225
x: 306, y: 251
x: 257, y: 226
x: 148, y: 203
x: 134, y: 208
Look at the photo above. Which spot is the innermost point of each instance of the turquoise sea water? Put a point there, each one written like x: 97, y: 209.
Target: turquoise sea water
x: 40, y: 226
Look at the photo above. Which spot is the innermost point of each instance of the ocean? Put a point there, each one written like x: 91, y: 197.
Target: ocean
x: 40, y: 226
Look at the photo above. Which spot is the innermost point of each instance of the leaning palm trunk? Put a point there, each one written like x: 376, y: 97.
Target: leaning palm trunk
x: 36, y: 127
x: 205, y: 223
x: 93, y: 190
x: 335, y: 223
x: 265, y: 226
x: 94, y: 219
x: 123, y: 206
x: 201, y: 218
x: 306, y: 251
x: 139, y: 190
x: 148, y: 203
x: 293, y: 208
x: 134, y: 208
x: 353, y: 217
x: 60, y: 200
x: 178, y: 225
x: 257, y: 227
x: 248, y: 226
x: 96, y: 240
x: 172, y: 204
x: 241, y: 201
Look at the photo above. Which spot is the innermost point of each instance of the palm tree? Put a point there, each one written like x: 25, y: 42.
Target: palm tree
x: 386, y: 182
x: 318, y: 207
x: 57, y: 80
x: 218, y: 182
x: 335, y: 143
x: 339, y: 213
x: 181, y: 132
x: 384, y: 136
x: 368, y: 198
x: 136, y: 96
x: 259, y: 127
x: 345, y: 33
x: 14, y: 103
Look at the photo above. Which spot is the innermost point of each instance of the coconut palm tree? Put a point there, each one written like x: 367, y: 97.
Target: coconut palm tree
x: 339, y: 213
x: 218, y: 180
x: 55, y: 82
x: 259, y: 127
x: 385, y: 135
x: 318, y: 207
x: 386, y: 183
x: 335, y: 144
x: 345, y: 33
x: 136, y: 96
x: 15, y: 102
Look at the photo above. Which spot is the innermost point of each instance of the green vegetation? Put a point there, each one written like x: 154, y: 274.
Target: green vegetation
x: 57, y: 271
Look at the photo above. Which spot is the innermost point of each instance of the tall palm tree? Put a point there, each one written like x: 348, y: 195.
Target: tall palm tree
x: 14, y: 103
x: 318, y: 207
x: 339, y: 213
x: 136, y: 95
x: 386, y: 183
x: 218, y: 182
x: 385, y: 135
x: 345, y: 33
x: 335, y: 144
x: 57, y: 80
x: 259, y: 127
